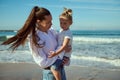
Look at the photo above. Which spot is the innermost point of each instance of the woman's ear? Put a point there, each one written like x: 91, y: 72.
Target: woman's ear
x: 37, y: 20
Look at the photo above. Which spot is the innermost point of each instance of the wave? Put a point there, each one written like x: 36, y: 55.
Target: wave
x: 115, y: 62
x: 96, y: 39
x: 96, y: 33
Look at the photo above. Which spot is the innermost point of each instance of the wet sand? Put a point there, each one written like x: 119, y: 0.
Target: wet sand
x: 31, y: 71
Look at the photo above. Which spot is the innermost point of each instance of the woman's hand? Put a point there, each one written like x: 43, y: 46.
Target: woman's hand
x: 65, y: 60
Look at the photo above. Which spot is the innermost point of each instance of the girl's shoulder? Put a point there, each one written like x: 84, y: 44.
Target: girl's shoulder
x: 67, y: 32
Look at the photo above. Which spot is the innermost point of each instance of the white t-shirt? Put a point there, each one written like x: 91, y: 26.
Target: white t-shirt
x: 61, y: 36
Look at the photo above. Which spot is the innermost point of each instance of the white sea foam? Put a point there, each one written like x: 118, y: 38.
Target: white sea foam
x: 115, y: 62
x: 96, y: 39
x: 9, y: 36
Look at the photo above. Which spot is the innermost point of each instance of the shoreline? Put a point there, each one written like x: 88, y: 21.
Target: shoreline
x: 71, y: 65
x: 31, y: 71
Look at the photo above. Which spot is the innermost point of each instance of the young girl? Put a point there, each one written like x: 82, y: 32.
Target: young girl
x: 42, y: 40
x: 64, y: 40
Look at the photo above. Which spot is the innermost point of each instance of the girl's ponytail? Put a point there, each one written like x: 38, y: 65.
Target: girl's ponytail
x: 67, y: 11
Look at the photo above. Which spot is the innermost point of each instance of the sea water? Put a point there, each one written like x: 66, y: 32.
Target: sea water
x: 90, y: 48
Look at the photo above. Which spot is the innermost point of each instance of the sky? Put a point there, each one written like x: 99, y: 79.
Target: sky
x: 87, y: 14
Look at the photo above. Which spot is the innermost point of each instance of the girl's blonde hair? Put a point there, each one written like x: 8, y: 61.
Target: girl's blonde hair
x: 67, y: 13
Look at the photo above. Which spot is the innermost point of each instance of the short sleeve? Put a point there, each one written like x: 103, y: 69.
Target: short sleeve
x: 68, y: 34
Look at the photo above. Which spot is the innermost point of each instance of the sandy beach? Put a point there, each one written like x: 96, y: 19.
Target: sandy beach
x: 31, y: 71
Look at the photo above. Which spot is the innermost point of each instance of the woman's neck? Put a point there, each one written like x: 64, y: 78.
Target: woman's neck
x: 42, y: 30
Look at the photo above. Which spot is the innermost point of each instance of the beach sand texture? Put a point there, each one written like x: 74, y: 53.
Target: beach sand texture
x: 31, y: 71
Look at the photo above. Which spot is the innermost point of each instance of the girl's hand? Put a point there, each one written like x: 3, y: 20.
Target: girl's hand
x: 51, y: 54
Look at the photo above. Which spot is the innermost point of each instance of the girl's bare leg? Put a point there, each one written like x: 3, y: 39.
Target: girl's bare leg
x: 56, y: 74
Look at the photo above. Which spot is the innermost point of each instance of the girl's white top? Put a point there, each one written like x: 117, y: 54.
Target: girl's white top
x: 49, y: 42
x: 61, y: 36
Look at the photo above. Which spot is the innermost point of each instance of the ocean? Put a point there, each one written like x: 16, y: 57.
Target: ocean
x: 99, y: 49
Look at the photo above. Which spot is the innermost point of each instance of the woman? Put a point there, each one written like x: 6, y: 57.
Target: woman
x: 42, y: 40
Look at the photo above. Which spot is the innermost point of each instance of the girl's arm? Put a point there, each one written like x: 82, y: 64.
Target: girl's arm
x: 62, y: 48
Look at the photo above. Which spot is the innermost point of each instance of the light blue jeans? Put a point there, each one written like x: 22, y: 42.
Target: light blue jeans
x: 47, y: 74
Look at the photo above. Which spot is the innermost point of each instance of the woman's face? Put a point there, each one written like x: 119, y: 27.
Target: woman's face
x: 45, y: 24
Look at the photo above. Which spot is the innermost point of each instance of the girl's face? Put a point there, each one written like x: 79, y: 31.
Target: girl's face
x: 64, y: 23
x: 45, y: 24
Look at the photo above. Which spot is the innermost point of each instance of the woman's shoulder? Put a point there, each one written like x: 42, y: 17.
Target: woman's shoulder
x: 53, y: 30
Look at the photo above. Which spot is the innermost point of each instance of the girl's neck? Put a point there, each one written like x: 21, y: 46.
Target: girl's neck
x: 65, y: 29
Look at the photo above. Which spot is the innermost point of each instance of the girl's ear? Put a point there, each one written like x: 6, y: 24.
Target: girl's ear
x: 71, y: 22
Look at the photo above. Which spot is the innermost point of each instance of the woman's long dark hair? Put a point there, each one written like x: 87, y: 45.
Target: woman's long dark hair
x: 28, y: 28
